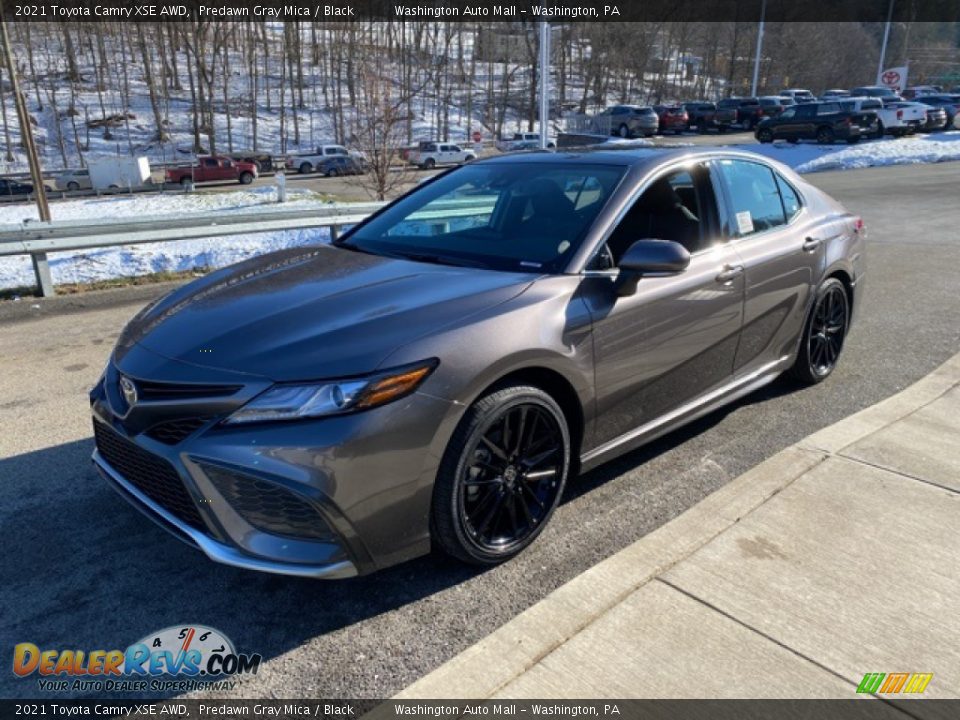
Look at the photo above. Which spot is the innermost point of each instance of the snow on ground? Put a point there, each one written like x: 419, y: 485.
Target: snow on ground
x: 131, y: 260
x: 810, y: 157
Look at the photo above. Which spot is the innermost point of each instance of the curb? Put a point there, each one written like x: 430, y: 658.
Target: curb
x: 482, y: 669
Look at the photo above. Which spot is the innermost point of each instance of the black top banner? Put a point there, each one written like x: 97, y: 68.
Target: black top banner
x: 484, y: 10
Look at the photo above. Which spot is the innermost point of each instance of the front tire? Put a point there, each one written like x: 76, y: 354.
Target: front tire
x: 73, y: 186
x: 823, y: 334
x: 502, y: 475
x: 246, y: 178
x: 305, y: 168
x: 825, y: 136
x: 765, y: 135
x: 624, y: 131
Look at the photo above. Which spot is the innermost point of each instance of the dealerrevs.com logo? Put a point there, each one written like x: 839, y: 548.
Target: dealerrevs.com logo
x: 179, y: 658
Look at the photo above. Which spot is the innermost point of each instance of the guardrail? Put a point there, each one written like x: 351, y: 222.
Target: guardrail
x: 39, y: 238
x: 36, y: 238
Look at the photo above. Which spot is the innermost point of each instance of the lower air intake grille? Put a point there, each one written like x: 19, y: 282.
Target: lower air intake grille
x: 173, y: 431
x: 269, y: 507
x: 151, y: 475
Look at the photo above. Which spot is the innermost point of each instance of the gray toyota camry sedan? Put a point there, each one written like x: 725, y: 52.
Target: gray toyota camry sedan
x: 438, y: 374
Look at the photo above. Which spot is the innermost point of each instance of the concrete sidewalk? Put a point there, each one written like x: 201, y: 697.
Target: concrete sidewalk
x: 837, y: 557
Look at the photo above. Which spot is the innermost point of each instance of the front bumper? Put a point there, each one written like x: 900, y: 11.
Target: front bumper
x: 326, y: 498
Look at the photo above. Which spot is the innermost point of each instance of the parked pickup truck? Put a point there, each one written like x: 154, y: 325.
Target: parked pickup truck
x: 523, y: 141
x: 430, y: 154
x: 825, y: 122
x: 213, y: 168
x: 892, y: 118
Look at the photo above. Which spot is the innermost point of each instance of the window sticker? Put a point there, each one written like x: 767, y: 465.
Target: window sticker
x: 744, y: 222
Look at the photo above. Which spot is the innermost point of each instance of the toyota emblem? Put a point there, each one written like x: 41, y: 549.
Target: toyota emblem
x: 129, y: 391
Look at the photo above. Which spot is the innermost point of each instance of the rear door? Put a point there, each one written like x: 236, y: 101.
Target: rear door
x: 781, y: 249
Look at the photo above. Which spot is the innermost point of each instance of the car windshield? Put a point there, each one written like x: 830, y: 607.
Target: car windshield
x: 524, y: 216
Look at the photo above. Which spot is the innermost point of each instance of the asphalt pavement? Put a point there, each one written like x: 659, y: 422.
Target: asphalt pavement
x: 84, y: 570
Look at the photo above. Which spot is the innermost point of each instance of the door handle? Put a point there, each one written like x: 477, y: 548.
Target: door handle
x: 729, y: 273
x: 811, y: 244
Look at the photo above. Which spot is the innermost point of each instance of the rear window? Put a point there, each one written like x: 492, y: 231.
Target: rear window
x: 871, y: 105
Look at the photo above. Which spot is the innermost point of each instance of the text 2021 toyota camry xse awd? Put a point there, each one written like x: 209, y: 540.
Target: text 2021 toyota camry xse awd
x: 436, y: 375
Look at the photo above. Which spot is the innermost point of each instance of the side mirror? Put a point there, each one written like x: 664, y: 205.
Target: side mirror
x: 650, y: 257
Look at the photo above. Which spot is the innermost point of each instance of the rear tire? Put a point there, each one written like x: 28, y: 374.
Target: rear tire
x: 501, y: 477
x: 186, y: 182
x: 305, y: 168
x: 429, y: 164
x: 823, y: 334
x: 332, y: 172
x: 879, y: 134
x: 72, y: 186
x: 624, y: 131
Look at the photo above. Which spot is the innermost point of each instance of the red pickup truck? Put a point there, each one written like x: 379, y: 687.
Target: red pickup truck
x: 213, y: 168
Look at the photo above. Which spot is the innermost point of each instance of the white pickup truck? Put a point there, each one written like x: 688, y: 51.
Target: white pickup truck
x: 895, y: 118
x: 431, y: 154
x: 524, y: 141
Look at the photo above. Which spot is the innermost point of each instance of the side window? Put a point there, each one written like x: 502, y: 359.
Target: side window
x: 210, y: 162
x: 791, y: 201
x: 828, y: 108
x: 805, y: 112
x: 755, y: 197
x: 788, y: 113
x: 678, y: 206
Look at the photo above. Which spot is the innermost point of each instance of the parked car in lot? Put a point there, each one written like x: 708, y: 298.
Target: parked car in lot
x: 672, y: 118
x: 879, y: 91
x: 700, y: 115
x: 743, y: 112
x: 431, y: 154
x: 876, y: 119
x: 73, y: 180
x: 914, y: 92
x: 9, y: 186
x: 265, y: 162
x: 310, y: 162
x: 948, y: 102
x: 524, y: 141
x: 937, y: 119
x: 337, y: 165
x: 627, y: 121
x: 435, y: 376
x: 825, y: 122
x: 835, y: 94
x: 799, y: 95
x: 773, y: 105
x: 213, y: 168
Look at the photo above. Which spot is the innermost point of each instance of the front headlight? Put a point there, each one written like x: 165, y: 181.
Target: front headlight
x: 291, y: 402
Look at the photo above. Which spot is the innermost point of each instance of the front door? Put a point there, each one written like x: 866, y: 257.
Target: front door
x: 675, y: 338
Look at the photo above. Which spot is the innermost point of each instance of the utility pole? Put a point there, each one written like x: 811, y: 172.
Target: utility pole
x: 544, y: 82
x: 756, y: 60
x: 886, y: 37
x: 40, y: 266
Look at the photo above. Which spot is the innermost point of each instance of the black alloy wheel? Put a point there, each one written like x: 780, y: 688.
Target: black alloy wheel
x: 825, y: 136
x: 502, y: 475
x: 824, y: 333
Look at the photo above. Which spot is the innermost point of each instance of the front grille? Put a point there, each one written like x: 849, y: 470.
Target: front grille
x: 173, y: 431
x: 151, y: 390
x: 151, y: 475
x: 269, y: 507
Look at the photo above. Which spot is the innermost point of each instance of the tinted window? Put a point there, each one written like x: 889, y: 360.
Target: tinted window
x: 507, y: 216
x: 788, y: 113
x: 753, y: 192
x: 791, y: 201
x: 828, y: 108
x: 210, y: 163
x: 678, y: 206
x: 806, y: 111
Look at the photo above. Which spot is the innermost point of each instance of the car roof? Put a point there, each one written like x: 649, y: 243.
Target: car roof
x: 635, y: 158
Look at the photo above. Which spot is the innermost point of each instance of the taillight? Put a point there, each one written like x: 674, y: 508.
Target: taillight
x: 899, y: 114
x: 858, y: 225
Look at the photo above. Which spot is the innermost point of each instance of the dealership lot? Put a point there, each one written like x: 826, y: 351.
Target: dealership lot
x: 92, y: 573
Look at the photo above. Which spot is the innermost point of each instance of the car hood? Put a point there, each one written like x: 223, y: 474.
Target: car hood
x: 310, y: 313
